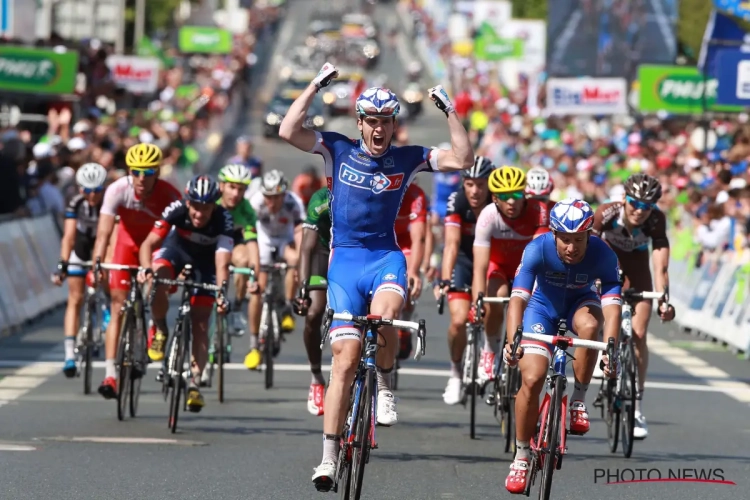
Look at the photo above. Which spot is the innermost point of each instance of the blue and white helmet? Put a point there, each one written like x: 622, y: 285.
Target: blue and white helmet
x: 571, y: 216
x: 377, y: 101
x: 202, y: 189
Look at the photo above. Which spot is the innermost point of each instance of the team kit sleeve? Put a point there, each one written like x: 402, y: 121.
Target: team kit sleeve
x: 609, y: 275
x: 523, y: 283
x: 225, y: 241
x: 659, y: 237
x: 249, y: 233
x: 169, y: 217
x: 418, y: 209
x: 451, y: 216
x: 71, y: 211
x: 543, y: 220
x: 483, y: 234
x: 112, y: 198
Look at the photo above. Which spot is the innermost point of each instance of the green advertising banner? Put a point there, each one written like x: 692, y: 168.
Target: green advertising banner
x: 204, y: 40
x: 488, y: 46
x: 37, y: 71
x: 677, y: 90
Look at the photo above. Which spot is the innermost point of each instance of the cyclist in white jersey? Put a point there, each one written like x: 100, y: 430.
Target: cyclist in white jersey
x: 280, y: 214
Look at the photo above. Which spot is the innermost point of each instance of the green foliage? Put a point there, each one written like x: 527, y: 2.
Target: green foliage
x: 529, y: 9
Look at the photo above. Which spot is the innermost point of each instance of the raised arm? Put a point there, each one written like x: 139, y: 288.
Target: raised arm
x: 461, y: 154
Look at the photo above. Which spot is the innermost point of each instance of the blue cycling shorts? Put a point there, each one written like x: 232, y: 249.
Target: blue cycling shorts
x: 541, y: 319
x: 354, y: 274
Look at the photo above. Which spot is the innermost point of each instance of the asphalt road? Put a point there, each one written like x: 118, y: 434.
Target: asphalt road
x: 57, y: 444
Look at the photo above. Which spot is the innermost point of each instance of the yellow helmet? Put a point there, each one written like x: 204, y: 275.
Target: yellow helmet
x: 507, y: 179
x: 144, y: 156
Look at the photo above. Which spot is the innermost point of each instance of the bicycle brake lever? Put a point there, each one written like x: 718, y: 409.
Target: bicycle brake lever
x: 421, y: 344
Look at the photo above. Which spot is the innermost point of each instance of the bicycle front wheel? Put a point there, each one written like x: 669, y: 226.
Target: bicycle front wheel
x: 551, y: 439
x: 268, y: 345
x: 627, y: 395
x: 139, y: 362
x: 474, y: 383
x: 177, y: 380
x: 361, y: 450
x: 125, y: 362
x: 219, y: 354
x: 88, y: 347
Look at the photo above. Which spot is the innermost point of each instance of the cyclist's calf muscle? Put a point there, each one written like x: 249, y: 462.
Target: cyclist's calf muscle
x: 346, y: 355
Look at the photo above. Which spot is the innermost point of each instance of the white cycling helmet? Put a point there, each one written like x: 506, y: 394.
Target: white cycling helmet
x: 538, y: 182
x: 235, y: 173
x: 273, y: 183
x: 91, y: 176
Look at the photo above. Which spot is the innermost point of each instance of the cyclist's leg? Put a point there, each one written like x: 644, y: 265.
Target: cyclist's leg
x: 344, y: 294
x: 458, y: 305
x: 313, y: 321
x: 76, y: 286
x: 291, y: 257
x: 585, y: 320
x: 533, y: 367
x: 253, y: 358
x: 167, y: 262
x: 240, y: 258
x: 497, y: 286
x: 404, y: 336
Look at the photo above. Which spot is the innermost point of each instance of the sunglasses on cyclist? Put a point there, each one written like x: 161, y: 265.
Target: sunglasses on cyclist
x: 93, y: 190
x: 142, y: 172
x: 515, y: 195
x: 640, y: 205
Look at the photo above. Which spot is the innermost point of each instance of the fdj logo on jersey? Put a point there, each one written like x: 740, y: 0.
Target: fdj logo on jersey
x: 377, y: 183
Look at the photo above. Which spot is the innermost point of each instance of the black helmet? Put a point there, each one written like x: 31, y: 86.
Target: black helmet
x: 643, y: 187
x: 481, y: 169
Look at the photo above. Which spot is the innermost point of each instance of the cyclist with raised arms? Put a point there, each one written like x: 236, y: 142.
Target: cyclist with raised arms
x: 313, y: 261
x: 557, y: 280
x: 503, y: 229
x: 367, y: 178
x: 280, y: 214
x: 139, y: 200
x: 198, y: 232
x: 233, y: 182
x: 628, y: 227
x: 464, y: 207
x: 411, y: 230
x: 539, y: 185
x: 79, y: 234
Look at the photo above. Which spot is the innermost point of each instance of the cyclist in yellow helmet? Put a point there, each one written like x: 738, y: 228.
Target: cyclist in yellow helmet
x: 503, y: 229
x: 139, y: 199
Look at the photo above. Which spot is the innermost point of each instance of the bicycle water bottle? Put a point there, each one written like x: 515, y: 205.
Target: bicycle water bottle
x: 106, y: 316
x: 627, y: 321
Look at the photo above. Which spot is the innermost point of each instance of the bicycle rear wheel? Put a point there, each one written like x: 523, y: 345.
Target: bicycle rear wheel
x: 88, y: 347
x: 474, y: 382
x: 552, y: 438
x: 344, y: 469
x: 268, y: 346
x: 219, y: 354
x: 627, y: 395
x: 139, y: 359
x: 175, y: 372
x: 361, y: 449
x: 124, y: 363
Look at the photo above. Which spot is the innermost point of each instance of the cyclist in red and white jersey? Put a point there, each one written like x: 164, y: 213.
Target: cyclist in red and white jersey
x: 139, y: 200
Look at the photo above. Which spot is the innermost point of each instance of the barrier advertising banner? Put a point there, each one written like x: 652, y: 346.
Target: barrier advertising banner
x: 587, y: 96
x: 734, y: 77
x: 37, y: 71
x: 135, y: 74
x: 204, y: 40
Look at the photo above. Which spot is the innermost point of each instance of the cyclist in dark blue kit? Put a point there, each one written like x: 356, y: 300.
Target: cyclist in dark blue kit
x: 556, y: 279
x: 367, y: 179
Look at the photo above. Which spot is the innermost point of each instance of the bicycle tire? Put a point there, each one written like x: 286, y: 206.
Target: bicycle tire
x: 88, y: 351
x: 552, y: 438
x: 177, y: 367
x: 140, y: 344
x: 611, y: 412
x: 394, y: 377
x: 268, y: 347
x: 344, y: 466
x: 361, y: 450
x: 508, y: 401
x: 124, y: 364
x: 628, y: 392
x: 474, y: 384
x: 219, y: 355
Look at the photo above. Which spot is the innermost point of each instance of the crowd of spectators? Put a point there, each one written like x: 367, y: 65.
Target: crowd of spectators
x: 706, y: 193
x: 183, y: 117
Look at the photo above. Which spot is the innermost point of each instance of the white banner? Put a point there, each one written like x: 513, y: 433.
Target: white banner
x: 533, y: 32
x: 133, y: 73
x: 587, y: 96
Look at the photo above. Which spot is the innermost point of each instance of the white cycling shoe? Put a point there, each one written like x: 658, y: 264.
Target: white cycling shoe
x: 324, y: 475
x: 452, y: 394
x: 640, y: 430
x: 598, y: 373
x: 387, y: 414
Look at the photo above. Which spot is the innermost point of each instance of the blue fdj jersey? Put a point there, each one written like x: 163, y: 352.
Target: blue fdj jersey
x: 556, y: 290
x: 366, y: 191
x: 445, y: 185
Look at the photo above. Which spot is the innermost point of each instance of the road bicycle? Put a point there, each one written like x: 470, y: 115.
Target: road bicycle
x: 617, y: 397
x: 549, y: 446
x: 178, y: 365
x: 271, y: 336
x: 358, y: 437
x: 132, y: 359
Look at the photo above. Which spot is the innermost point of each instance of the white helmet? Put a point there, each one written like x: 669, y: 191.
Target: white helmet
x: 235, y: 173
x: 538, y: 182
x: 273, y: 183
x: 91, y: 176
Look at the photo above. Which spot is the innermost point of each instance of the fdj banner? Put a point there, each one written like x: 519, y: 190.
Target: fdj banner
x: 587, y: 96
x: 738, y: 8
x: 677, y: 90
x: 37, y: 71
x: 204, y: 40
x: 734, y: 77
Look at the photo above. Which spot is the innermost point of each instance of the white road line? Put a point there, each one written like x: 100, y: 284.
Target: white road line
x: 277, y: 58
x: 661, y: 21
x: 561, y: 44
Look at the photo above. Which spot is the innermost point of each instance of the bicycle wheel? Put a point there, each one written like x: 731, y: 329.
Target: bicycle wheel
x: 219, y: 354
x: 268, y: 345
x: 361, y: 449
x: 611, y: 411
x: 124, y: 363
x: 551, y: 439
x: 508, y: 401
x: 627, y: 396
x: 139, y: 358
x: 175, y: 373
x: 474, y: 382
x: 88, y: 348
x: 344, y: 468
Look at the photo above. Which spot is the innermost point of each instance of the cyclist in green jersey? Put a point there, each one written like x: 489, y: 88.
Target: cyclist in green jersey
x: 233, y: 182
x: 314, y: 253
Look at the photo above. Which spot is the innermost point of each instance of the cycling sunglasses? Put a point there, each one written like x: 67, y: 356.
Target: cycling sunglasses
x: 143, y: 172
x: 640, y: 205
x: 93, y: 190
x: 515, y: 195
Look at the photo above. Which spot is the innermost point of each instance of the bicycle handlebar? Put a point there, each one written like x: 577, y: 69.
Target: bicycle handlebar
x: 441, y: 300
x: 276, y: 266
x: 633, y: 294
x: 119, y: 267
x: 247, y: 271
x: 563, y: 341
x: 189, y: 284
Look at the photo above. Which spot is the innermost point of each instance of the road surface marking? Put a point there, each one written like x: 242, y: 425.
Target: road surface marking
x: 15, y: 447
x: 121, y: 440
